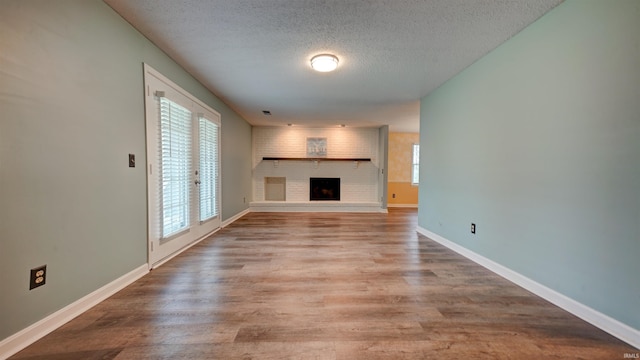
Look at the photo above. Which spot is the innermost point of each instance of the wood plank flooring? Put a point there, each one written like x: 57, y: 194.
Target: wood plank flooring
x: 324, y: 286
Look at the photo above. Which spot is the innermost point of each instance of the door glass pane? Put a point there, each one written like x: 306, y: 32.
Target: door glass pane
x: 208, y: 168
x: 175, y: 136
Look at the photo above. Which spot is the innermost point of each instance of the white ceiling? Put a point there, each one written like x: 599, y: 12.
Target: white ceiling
x: 254, y: 54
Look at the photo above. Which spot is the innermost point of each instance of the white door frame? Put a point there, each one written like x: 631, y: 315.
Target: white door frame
x: 160, y: 250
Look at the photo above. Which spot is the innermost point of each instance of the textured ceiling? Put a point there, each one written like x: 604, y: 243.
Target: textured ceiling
x: 254, y: 54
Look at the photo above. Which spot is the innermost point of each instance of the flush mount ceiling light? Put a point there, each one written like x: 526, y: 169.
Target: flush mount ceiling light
x: 324, y: 62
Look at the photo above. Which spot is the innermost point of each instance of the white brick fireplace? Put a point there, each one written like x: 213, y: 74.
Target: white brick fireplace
x: 359, y: 179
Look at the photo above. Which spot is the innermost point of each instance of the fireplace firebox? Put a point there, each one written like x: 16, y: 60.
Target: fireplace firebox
x: 324, y: 189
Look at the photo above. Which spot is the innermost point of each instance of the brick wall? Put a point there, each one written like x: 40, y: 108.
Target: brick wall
x: 359, y: 181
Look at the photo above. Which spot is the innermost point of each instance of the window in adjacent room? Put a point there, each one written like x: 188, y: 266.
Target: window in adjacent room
x: 415, y: 165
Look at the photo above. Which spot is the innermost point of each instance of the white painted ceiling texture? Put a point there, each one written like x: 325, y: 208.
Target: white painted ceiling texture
x: 255, y: 54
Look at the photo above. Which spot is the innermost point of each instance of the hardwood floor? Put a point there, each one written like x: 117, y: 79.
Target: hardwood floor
x: 324, y: 286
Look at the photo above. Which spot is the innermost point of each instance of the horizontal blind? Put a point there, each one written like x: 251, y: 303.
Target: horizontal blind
x: 175, y: 166
x: 209, y: 168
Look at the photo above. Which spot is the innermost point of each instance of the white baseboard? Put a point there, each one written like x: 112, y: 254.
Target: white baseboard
x: 237, y: 216
x: 314, y: 206
x: 614, y: 327
x: 182, y: 249
x: 413, y: 206
x: 36, y: 331
x: 190, y: 245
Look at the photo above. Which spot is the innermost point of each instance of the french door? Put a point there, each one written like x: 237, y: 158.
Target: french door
x: 183, y: 177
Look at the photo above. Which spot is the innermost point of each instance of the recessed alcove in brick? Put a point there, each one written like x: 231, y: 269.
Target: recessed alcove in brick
x: 275, y: 188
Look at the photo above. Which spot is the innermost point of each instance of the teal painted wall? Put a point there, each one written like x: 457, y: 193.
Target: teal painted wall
x: 72, y: 109
x: 538, y: 143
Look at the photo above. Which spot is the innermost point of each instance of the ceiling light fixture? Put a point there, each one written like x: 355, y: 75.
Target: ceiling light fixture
x: 324, y: 62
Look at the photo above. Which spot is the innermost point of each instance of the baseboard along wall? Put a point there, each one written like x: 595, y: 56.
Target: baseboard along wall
x: 36, y: 331
x: 612, y: 326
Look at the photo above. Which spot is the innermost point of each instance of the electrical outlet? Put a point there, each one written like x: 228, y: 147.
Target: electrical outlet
x: 38, y: 277
x: 473, y: 228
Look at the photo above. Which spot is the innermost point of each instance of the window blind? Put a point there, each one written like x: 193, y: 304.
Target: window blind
x: 175, y: 163
x: 209, y: 168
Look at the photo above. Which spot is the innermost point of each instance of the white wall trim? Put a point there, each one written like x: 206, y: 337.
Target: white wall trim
x: 614, y: 327
x: 181, y: 250
x: 36, y: 331
x: 413, y: 206
x: 315, y: 206
x: 237, y: 216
